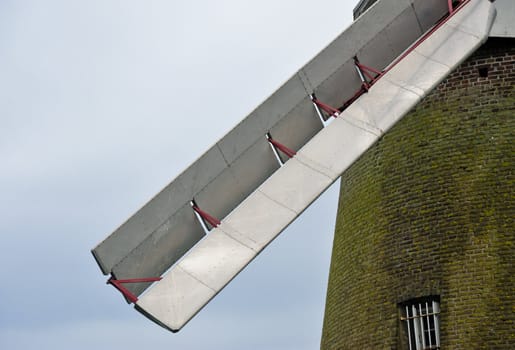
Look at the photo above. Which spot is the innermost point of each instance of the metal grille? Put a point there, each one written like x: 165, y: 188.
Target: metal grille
x: 422, y: 322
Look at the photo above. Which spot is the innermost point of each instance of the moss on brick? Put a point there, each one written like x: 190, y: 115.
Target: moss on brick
x: 428, y: 210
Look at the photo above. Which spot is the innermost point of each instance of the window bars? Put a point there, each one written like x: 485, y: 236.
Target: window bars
x: 422, y: 323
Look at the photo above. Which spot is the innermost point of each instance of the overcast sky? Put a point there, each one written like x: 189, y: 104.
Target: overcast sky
x: 102, y: 103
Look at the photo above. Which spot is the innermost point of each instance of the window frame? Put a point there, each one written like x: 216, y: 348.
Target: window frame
x: 421, y: 321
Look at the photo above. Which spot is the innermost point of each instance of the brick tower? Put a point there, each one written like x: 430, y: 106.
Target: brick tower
x: 424, y: 246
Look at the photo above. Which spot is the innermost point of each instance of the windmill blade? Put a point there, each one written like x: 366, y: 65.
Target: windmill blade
x: 239, y: 179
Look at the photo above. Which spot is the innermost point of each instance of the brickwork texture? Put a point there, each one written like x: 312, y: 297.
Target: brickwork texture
x: 429, y: 210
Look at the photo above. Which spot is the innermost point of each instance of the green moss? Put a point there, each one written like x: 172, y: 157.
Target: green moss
x: 429, y: 210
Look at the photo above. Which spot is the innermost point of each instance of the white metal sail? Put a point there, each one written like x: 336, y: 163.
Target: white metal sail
x: 239, y: 179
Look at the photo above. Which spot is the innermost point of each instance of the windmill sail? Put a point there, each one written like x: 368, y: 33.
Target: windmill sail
x: 368, y: 78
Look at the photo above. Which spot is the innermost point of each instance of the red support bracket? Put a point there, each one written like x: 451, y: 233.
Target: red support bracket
x: 351, y: 100
x: 214, y: 222
x: 288, y: 151
x: 333, y: 112
x: 118, y: 284
x: 367, y: 80
x: 449, y: 5
x: 452, y: 11
x: 365, y: 73
x: 370, y: 76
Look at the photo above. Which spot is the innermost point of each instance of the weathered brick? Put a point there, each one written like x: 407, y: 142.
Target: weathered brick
x: 429, y: 210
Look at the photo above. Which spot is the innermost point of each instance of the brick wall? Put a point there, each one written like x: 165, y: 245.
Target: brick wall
x: 429, y: 210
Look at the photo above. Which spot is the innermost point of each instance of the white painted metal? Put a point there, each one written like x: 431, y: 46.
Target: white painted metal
x: 213, y: 262
x: 283, y: 187
x: 175, y: 300
x: 418, y: 73
x: 408, y: 322
x: 428, y: 327
x: 419, y: 327
x: 257, y: 221
x: 474, y: 25
x: 504, y: 25
x: 436, y: 312
x: 336, y: 147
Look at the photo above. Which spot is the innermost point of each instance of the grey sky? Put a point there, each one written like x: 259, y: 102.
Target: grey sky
x: 102, y: 103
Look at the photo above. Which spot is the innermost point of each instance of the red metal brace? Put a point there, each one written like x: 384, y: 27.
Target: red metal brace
x: 452, y: 11
x: 351, y: 100
x: 451, y: 8
x: 288, y: 151
x: 364, y: 73
x: 118, y: 284
x: 333, y: 112
x: 210, y: 219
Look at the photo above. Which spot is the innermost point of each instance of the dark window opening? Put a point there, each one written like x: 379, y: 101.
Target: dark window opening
x: 483, y: 72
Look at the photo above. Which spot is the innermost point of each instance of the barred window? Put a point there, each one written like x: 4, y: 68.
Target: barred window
x: 420, y: 318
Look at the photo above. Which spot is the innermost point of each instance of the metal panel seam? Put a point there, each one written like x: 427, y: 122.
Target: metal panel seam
x: 237, y: 240
x: 308, y: 87
x: 278, y: 203
x: 311, y: 166
x: 418, y: 19
x: 431, y: 58
x: 372, y: 129
x: 195, y: 278
x: 457, y: 28
x: 406, y: 88
x: 217, y: 144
